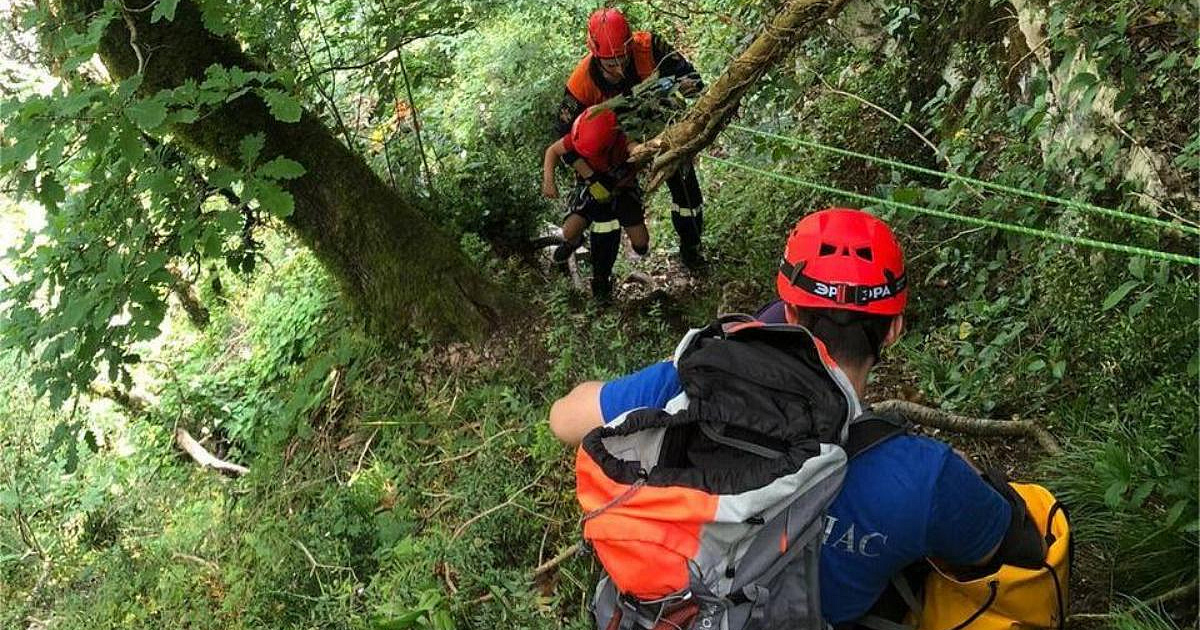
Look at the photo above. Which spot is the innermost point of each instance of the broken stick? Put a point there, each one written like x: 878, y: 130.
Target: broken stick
x: 201, y: 455
x: 938, y: 419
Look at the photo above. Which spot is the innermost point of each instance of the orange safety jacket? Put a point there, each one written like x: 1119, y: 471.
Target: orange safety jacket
x: 582, y: 85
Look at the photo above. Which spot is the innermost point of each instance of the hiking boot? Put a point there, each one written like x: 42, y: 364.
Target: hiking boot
x: 692, y: 259
x: 562, y: 256
x: 602, y: 290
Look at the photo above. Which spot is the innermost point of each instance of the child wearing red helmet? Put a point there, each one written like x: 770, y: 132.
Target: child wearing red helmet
x: 607, y: 196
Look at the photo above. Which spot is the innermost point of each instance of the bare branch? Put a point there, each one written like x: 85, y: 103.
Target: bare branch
x: 133, y: 34
x: 938, y: 419
x: 201, y: 455
x: 550, y: 564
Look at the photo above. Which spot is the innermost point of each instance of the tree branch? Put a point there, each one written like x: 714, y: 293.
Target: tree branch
x: 562, y: 557
x: 680, y: 142
x: 201, y: 455
x: 938, y: 419
x: 1176, y: 593
x: 395, y: 48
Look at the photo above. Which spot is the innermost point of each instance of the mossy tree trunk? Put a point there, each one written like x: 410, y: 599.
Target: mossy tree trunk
x: 391, y: 262
x: 680, y: 142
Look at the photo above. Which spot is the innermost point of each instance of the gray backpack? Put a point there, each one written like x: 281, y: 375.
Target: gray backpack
x: 709, y: 513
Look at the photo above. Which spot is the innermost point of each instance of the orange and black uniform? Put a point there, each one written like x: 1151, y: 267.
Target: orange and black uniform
x: 587, y: 86
x: 623, y: 208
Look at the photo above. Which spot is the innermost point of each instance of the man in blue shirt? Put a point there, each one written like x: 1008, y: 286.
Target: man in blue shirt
x: 908, y: 498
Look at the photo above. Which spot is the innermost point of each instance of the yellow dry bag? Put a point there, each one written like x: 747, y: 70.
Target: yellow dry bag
x: 1012, y: 598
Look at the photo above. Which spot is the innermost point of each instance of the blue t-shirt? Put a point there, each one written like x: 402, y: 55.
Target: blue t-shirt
x: 908, y: 498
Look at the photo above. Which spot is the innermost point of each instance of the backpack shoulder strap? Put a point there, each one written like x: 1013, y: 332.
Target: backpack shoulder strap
x: 872, y: 429
x: 722, y: 327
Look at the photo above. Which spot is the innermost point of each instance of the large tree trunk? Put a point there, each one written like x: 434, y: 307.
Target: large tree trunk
x: 680, y: 142
x: 392, y: 263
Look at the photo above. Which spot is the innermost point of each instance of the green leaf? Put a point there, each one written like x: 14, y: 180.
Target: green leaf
x: 250, y: 148
x: 184, y: 116
x: 130, y: 144
x: 280, y: 168
x: 911, y: 196
x: 275, y: 200
x: 1037, y: 366
x: 1058, y: 369
x: 1141, y: 493
x: 1137, y: 267
x: 163, y: 9
x: 1140, y: 305
x: 9, y: 499
x: 1175, y: 512
x: 50, y: 192
x: 1114, y: 493
x: 147, y: 113
x: 90, y: 438
x: 283, y: 106
x: 127, y: 87
x: 1117, y: 295
x: 1081, y: 81
x: 213, y: 15
x: 222, y: 177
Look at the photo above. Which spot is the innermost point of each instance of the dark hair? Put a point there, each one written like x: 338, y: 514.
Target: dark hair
x: 851, y: 337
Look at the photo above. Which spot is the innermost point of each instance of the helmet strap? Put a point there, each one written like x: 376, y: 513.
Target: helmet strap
x: 840, y: 292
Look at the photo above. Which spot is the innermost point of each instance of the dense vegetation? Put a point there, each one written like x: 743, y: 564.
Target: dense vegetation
x: 398, y: 480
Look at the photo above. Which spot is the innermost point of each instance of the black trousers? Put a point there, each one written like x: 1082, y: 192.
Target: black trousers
x: 687, y: 218
x: 605, y: 220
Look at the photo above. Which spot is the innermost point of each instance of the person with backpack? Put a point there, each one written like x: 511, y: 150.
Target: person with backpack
x: 617, y: 60
x: 606, y: 197
x: 748, y: 406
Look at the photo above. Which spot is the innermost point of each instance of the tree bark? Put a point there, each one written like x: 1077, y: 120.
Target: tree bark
x: 679, y: 143
x: 393, y: 264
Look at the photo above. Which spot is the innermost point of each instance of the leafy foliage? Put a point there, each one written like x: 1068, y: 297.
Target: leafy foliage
x: 412, y: 486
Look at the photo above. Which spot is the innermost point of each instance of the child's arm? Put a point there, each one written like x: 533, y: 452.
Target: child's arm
x: 554, y: 153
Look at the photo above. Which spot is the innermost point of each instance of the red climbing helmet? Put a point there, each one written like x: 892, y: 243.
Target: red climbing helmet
x: 608, y: 33
x: 843, y: 258
x: 594, y: 132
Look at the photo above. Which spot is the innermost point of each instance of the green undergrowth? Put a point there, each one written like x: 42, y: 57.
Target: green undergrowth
x: 389, y: 486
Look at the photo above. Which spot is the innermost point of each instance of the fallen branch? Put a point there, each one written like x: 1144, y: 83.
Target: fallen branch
x: 1191, y: 588
x: 511, y: 501
x: 548, y: 565
x: 312, y: 561
x: 201, y: 455
x: 472, y: 451
x: 938, y: 419
x: 680, y: 142
x: 198, y: 560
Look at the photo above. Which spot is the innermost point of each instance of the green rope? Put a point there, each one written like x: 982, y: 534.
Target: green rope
x: 1080, y: 205
x: 1008, y: 227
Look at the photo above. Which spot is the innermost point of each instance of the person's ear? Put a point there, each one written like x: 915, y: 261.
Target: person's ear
x: 790, y: 314
x: 895, y: 331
